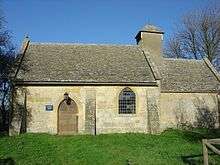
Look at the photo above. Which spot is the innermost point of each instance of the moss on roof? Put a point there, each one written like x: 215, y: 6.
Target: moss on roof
x: 90, y: 63
x: 85, y: 63
x: 185, y: 75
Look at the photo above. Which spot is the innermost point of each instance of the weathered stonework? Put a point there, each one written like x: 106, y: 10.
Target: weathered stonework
x: 41, y: 120
x: 108, y: 118
x: 90, y: 110
x: 98, y: 109
x: 99, y: 101
x: 189, y: 109
x: 18, y: 111
x: 153, y: 111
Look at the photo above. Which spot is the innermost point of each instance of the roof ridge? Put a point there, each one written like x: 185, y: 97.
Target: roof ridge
x: 75, y: 43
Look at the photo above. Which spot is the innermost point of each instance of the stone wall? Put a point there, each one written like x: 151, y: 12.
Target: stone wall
x: 90, y: 111
x: 41, y: 120
x: 108, y: 118
x: 99, y: 101
x: 151, y: 43
x: 18, y: 121
x: 188, y: 110
x: 153, y: 103
x: 98, y: 109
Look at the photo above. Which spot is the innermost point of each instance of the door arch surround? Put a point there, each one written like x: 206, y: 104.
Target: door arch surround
x: 67, y: 117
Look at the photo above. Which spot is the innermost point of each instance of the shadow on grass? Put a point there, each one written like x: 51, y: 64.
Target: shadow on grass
x: 196, y: 136
x: 7, y: 161
x: 198, y: 159
x: 192, y: 159
x: 3, y: 134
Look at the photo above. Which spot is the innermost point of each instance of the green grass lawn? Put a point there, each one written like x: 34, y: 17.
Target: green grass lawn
x: 171, y: 147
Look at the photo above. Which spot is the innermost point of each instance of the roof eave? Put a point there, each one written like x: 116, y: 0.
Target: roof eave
x: 192, y: 91
x: 148, y: 31
x: 41, y: 83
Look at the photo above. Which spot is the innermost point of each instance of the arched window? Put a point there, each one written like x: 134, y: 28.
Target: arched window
x: 127, y: 101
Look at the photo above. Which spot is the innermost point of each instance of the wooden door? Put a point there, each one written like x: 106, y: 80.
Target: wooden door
x: 67, y: 118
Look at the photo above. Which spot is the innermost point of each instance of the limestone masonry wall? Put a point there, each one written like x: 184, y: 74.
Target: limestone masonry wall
x: 189, y: 110
x: 155, y: 111
x: 108, y: 118
x: 101, y: 99
x: 41, y: 120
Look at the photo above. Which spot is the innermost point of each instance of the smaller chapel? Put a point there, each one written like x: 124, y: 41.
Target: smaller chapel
x: 71, y: 88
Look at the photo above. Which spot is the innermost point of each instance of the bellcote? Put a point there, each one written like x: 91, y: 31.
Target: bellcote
x: 150, y: 39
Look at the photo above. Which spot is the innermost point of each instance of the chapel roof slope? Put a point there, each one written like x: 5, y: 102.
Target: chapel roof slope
x: 187, y: 75
x: 85, y: 63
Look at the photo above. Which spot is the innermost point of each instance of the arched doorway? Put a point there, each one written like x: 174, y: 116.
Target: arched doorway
x: 67, y: 116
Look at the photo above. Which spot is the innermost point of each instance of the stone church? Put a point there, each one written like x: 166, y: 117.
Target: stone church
x: 68, y: 88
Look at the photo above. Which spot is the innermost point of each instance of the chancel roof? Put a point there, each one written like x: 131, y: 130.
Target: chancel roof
x: 187, y: 75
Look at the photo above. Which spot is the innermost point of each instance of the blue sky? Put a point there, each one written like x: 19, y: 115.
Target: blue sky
x: 92, y: 21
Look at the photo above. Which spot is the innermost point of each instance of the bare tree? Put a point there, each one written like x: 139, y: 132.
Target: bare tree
x: 174, y: 48
x: 209, y: 33
x: 197, y: 36
x: 7, y: 56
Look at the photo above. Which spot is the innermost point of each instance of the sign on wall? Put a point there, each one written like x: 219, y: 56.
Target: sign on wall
x: 49, y: 107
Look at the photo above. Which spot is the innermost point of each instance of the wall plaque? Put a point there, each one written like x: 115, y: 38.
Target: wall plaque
x: 49, y: 107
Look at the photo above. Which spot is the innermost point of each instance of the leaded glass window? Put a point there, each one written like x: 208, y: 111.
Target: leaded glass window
x: 127, y: 101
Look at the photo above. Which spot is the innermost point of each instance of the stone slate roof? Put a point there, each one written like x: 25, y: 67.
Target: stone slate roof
x: 152, y: 28
x: 184, y: 75
x: 96, y: 64
x: 85, y: 63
